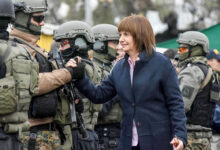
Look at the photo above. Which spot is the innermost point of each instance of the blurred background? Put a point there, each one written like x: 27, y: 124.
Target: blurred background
x: 168, y: 17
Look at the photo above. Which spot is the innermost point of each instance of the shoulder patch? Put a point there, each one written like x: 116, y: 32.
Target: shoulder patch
x: 187, y: 91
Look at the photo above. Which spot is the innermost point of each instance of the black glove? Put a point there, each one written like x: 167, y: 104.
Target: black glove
x: 77, y: 72
x: 2, y: 68
x: 79, y: 106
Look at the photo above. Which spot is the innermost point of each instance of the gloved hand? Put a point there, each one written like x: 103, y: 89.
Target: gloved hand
x: 78, y: 104
x: 2, y: 68
x: 77, y: 72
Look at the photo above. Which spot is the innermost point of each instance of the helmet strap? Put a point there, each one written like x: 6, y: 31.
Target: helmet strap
x: 190, y: 51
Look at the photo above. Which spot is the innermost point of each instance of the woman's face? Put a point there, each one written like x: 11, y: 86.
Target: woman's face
x: 127, y: 42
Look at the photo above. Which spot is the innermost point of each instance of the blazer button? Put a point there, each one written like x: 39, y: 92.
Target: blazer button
x: 132, y: 104
x: 138, y: 124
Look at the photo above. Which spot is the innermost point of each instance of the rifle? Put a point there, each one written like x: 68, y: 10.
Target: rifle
x: 72, y: 94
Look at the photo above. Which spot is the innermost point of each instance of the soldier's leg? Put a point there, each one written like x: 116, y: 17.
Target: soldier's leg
x: 45, y: 139
x: 67, y: 145
x: 215, y: 141
x: 198, y: 141
x: 9, y: 141
x: 108, y: 136
x: 90, y: 143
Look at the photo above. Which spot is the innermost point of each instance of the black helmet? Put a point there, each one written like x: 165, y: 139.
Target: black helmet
x: 7, y: 10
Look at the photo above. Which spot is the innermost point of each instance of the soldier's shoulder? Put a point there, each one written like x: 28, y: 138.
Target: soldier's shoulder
x: 192, y: 72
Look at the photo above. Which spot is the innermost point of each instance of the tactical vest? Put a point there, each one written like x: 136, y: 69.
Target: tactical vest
x: 44, y: 105
x: 202, y: 109
x: 115, y: 114
x: 19, y: 85
x: 90, y: 114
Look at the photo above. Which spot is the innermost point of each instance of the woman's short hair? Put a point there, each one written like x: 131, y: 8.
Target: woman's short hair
x: 141, y: 31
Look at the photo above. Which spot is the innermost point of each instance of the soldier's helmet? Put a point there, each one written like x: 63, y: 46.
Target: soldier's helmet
x: 30, y: 6
x: 6, y: 10
x: 72, y: 29
x: 194, y: 38
x: 106, y: 32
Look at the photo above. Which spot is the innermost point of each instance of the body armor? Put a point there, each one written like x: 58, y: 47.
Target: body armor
x: 44, y: 105
x: 91, y: 110
x: 19, y: 85
x: 202, y: 109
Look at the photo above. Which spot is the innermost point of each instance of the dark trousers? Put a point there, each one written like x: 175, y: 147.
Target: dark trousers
x: 136, y: 147
x: 9, y: 141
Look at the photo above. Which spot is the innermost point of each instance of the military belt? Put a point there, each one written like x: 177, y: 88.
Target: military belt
x: 200, y: 134
x: 87, y: 126
x: 35, y: 129
x: 47, y: 127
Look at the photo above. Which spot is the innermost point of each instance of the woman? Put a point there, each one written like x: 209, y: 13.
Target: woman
x: 147, y: 86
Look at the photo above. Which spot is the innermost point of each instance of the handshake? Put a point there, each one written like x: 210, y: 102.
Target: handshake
x: 76, y: 68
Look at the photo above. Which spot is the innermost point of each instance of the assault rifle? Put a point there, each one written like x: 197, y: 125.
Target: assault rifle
x: 72, y: 94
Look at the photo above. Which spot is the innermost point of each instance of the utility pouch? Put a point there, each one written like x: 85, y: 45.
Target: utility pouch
x: 113, y: 143
x: 8, y: 98
x: 44, y: 105
x: 214, y: 92
x: 34, y: 78
x: 63, y: 115
x: 15, y: 128
x: 96, y: 107
x: 16, y: 117
x: 21, y: 70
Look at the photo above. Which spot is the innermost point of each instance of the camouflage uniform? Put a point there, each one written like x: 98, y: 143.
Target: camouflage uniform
x: 195, y: 84
x: 80, y: 37
x: 45, y: 140
x: 199, y: 140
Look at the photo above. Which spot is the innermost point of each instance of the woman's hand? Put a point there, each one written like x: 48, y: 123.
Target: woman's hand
x: 177, y: 144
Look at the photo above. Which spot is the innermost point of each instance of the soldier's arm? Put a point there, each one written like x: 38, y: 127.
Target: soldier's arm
x: 50, y: 81
x: 190, y: 80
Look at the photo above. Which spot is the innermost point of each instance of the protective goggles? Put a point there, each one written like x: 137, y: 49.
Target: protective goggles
x: 38, y: 19
x: 100, y: 47
x: 64, y: 42
x: 183, y: 49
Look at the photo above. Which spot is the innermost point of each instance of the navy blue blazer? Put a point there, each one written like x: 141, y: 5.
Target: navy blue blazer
x: 154, y: 101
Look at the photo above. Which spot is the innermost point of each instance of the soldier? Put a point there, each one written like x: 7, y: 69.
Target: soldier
x: 105, y: 49
x: 195, y: 79
x: 214, y: 61
x: 76, y: 38
x: 18, y: 83
x: 49, y: 112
